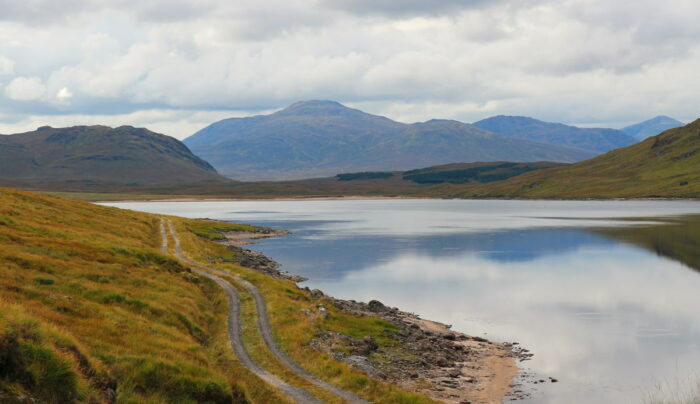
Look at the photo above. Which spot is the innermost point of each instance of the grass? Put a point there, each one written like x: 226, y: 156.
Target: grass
x: 211, y: 230
x: 90, y: 309
x: 661, y: 166
x: 89, y: 305
x: 287, y: 307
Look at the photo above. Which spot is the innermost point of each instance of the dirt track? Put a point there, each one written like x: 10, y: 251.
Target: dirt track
x: 297, y: 394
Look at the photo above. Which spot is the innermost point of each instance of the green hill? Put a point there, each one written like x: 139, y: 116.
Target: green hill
x: 666, y: 165
x: 98, y: 156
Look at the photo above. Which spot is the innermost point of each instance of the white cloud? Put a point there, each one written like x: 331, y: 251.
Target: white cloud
x: 175, y: 123
x: 7, y: 66
x: 64, y: 94
x: 25, y: 89
x: 573, y: 61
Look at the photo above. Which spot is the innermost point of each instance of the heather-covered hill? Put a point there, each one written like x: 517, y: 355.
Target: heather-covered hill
x: 98, y: 155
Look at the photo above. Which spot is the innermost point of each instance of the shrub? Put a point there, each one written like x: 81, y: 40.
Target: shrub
x: 44, y: 281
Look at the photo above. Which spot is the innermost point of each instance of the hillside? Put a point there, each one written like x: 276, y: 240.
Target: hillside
x: 665, y: 165
x: 455, y: 173
x: 473, y: 173
x: 324, y: 138
x: 651, y: 127
x: 596, y: 140
x: 98, y: 156
x: 92, y: 310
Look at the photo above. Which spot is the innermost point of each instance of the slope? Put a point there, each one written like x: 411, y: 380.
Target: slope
x: 324, y: 138
x: 651, y: 127
x: 665, y: 165
x: 597, y: 140
x: 99, y: 155
x: 93, y: 311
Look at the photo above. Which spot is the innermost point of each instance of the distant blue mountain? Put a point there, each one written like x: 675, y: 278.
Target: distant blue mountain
x: 652, y: 127
x: 324, y: 138
x: 597, y: 140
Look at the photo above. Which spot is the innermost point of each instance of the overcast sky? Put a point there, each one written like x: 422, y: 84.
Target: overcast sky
x: 175, y: 66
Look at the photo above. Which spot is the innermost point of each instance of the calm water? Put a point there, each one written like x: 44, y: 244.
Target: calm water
x: 581, y: 287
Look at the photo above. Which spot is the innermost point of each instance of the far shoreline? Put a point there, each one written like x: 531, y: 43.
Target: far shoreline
x: 379, y: 198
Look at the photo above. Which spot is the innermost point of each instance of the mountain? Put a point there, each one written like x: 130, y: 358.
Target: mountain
x: 665, y: 165
x: 596, y: 140
x: 323, y: 138
x: 99, y: 155
x: 652, y: 127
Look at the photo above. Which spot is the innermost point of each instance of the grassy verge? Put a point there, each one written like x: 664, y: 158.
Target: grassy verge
x: 91, y: 311
x: 288, y: 307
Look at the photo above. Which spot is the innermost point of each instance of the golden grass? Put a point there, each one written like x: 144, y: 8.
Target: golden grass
x: 90, y: 307
x: 294, y: 329
x: 153, y: 331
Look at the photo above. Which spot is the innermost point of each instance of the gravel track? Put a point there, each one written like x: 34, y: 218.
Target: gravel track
x: 297, y: 394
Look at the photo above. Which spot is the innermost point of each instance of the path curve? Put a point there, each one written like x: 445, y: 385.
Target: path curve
x: 297, y: 394
x: 268, y: 336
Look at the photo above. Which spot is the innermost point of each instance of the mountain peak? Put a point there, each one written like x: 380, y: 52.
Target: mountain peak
x: 652, y: 127
x: 315, y: 106
x: 317, y: 103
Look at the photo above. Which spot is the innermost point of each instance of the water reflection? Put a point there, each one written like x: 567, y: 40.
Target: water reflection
x: 609, y: 307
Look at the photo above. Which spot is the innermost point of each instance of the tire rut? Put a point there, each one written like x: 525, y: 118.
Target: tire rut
x: 297, y: 394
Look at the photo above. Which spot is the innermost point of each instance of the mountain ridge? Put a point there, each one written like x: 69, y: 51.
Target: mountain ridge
x: 101, y: 155
x: 323, y: 138
x: 598, y: 140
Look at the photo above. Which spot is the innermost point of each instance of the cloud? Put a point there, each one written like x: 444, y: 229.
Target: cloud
x: 35, y: 12
x: 64, y: 94
x: 392, y: 8
x: 575, y: 61
x: 25, y: 89
x: 7, y: 66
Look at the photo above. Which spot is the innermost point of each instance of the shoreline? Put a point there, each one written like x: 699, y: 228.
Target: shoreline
x: 378, y: 198
x: 283, y: 198
x: 431, y: 359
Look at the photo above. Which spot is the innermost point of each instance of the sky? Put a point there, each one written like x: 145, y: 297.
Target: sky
x: 176, y: 66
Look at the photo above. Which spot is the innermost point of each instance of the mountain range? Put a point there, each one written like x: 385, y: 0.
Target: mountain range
x: 665, y: 165
x: 98, y: 155
x: 324, y: 138
x: 596, y: 140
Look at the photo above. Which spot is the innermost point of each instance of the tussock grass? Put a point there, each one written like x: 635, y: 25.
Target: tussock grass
x: 91, y: 310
